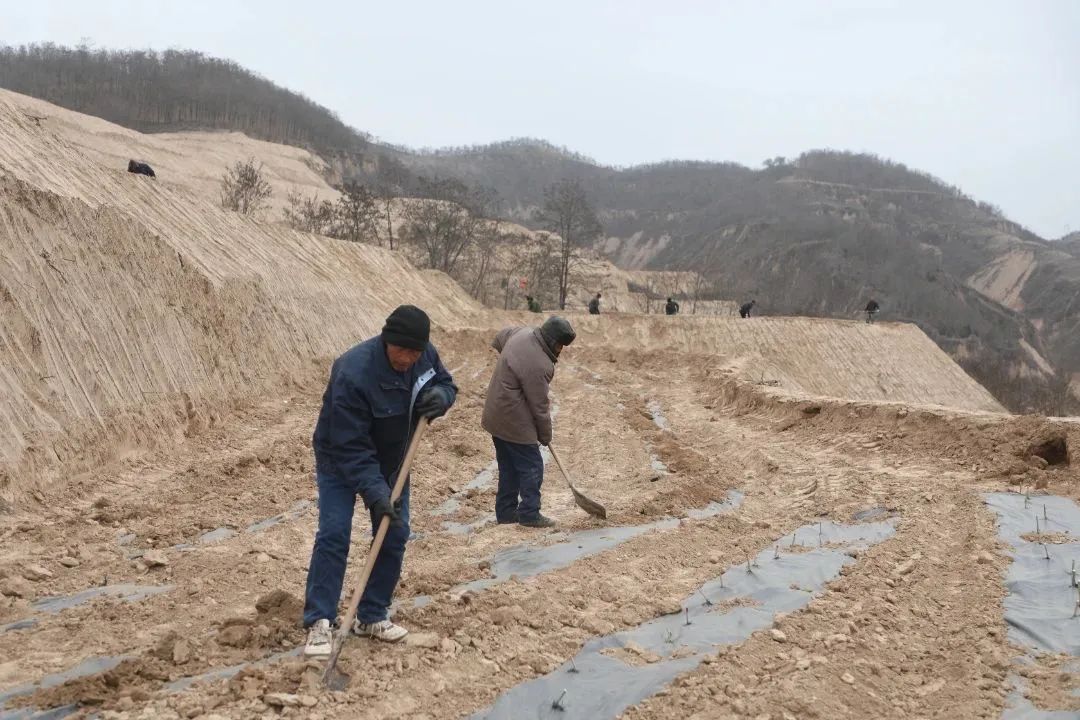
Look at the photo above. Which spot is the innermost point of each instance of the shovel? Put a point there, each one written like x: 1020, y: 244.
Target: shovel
x: 590, y: 506
x: 332, y: 677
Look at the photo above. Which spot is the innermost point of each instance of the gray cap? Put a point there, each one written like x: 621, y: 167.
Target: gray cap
x: 557, y: 331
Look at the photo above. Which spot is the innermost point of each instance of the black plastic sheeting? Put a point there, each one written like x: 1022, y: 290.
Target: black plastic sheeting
x: 89, y: 666
x: 529, y: 560
x: 1041, y: 607
x: 599, y: 686
x: 95, y: 665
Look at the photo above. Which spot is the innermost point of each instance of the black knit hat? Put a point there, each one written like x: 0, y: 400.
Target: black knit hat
x: 408, y: 326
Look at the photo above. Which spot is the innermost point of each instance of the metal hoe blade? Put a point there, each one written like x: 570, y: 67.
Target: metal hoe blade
x: 333, y: 678
x: 590, y: 506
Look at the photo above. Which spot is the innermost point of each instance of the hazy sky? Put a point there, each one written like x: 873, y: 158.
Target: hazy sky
x: 982, y: 93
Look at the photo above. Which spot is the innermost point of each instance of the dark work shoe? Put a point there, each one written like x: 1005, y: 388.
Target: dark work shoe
x: 508, y: 521
x: 540, y: 521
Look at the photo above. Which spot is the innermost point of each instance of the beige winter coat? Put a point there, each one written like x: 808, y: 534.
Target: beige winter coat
x: 517, y: 408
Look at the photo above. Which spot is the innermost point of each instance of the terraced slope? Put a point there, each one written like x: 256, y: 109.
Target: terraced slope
x: 882, y: 362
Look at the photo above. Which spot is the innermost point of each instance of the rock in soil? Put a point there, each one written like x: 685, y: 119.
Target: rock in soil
x: 35, y: 573
x: 154, y: 558
x: 423, y: 640
x: 15, y: 587
x: 281, y: 699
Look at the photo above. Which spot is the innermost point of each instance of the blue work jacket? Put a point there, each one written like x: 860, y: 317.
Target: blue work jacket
x: 367, y: 416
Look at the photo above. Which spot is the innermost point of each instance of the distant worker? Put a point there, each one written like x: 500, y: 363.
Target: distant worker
x: 872, y: 309
x: 672, y: 307
x: 140, y: 168
x: 517, y: 413
x: 594, y: 305
x: 534, y: 306
x: 744, y: 310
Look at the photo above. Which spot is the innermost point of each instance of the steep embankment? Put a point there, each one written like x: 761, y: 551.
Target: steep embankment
x: 133, y: 308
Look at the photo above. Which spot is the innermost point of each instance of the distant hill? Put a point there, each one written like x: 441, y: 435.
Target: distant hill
x: 814, y: 235
x: 822, y: 233
x: 179, y: 90
x: 173, y: 90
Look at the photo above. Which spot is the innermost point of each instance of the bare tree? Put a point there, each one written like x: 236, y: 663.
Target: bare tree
x: 490, y: 243
x: 244, y: 188
x: 705, y: 267
x: 447, y: 222
x: 544, y: 264
x: 568, y: 213
x: 309, y: 214
x: 155, y: 91
x: 356, y: 214
x: 391, y: 176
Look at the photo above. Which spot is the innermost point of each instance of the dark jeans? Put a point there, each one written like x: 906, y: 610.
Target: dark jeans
x: 521, y: 473
x: 327, y: 569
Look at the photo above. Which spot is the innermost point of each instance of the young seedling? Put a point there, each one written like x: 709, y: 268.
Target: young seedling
x: 706, y: 597
x: 793, y: 538
x: 1072, y: 573
x: 573, y: 667
x: 776, y: 552
x: 687, y: 615
x: 1047, y: 551
x: 557, y: 704
x: 1076, y: 610
x: 1045, y: 518
x: 748, y: 562
x: 1037, y: 530
x: 1027, y: 499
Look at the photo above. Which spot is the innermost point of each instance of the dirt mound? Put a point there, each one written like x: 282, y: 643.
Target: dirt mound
x: 1025, y: 449
x: 134, y: 679
x: 280, y: 606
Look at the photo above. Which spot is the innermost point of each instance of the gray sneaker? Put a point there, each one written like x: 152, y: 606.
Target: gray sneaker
x: 540, y: 521
x: 384, y: 630
x: 320, y: 640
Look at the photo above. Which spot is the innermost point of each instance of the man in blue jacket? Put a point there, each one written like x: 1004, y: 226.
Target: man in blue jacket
x: 377, y: 392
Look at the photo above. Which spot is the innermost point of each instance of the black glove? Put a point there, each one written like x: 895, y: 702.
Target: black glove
x: 383, y: 506
x: 433, y: 402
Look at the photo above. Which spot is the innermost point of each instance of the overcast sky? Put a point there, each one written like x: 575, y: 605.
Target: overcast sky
x: 982, y: 93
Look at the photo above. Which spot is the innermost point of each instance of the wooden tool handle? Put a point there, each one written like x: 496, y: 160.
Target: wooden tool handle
x: 384, y: 527
x: 551, y: 449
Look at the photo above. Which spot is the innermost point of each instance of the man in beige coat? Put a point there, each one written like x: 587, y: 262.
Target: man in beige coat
x: 517, y: 413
